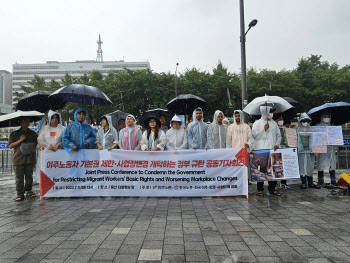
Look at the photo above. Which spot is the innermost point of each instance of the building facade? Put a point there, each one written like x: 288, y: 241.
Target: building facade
x: 5, y: 92
x: 54, y: 70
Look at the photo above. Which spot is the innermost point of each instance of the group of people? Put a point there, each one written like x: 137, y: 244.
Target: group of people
x: 265, y: 134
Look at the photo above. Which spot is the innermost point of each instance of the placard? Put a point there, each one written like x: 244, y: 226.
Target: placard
x: 266, y: 165
x: 334, y: 134
x: 291, y: 137
x: 312, y: 142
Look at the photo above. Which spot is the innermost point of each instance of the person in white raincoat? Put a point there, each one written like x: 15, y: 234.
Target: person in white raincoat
x: 266, y: 135
x: 239, y: 134
x: 107, y: 136
x: 153, y: 139
x: 306, y: 160
x: 50, y: 136
x: 217, y: 130
x: 176, y: 138
x: 197, y: 131
x: 326, y: 161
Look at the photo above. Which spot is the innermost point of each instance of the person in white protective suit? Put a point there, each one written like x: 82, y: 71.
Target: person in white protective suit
x: 266, y: 135
x: 50, y: 136
x: 197, y: 131
x: 326, y: 161
x: 306, y: 160
x: 226, y: 121
x: 176, y: 138
x: 239, y: 134
x: 217, y: 130
x: 107, y: 135
x: 153, y: 138
x: 130, y: 136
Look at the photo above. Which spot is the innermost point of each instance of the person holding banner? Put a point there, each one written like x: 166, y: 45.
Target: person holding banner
x: 79, y: 135
x: 197, y: 131
x: 50, y: 136
x: 130, y: 136
x: 107, y: 136
x: 266, y: 135
x: 306, y: 160
x: 176, y: 138
x: 153, y: 139
x: 217, y: 130
x: 326, y: 161
x: 239, y: 134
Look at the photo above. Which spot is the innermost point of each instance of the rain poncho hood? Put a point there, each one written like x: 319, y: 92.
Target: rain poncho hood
x: 227, y: 120
x: 326, y: 161
x: 269, y: 138
x: 304, y: 117
x: 51, y: 113
x: 217, y: 133
x: 306, y: 160
x: 240, y: 114
x: 239, y: 135
x: 176, y: 138
x: 197, y: 133
x: 76, y: 134
x: 132, y: 116
x: 107, y: 138
x: 49, y: 135
x: 265, y: 112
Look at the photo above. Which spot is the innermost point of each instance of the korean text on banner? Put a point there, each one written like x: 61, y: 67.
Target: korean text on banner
x: 221, y: 172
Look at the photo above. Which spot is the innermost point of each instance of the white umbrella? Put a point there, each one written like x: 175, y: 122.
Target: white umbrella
x: 277, y: 103
x: 12, y: 119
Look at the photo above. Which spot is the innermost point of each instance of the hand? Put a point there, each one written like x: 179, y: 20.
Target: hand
x: 86, y: 143
x: 110, y: 148
x: 56, y: 147
x: 50, y: 148
x: 22, y: 138
x: 266, y: 126
x: 40, y: 148
x: 147, y: 149
x: 246, y: 145
x: 194, y: 148
x: 206, y: 149
x: 155, y: 149
x: 275, y: 147
x: 75, y: 148
x: 100, y: 147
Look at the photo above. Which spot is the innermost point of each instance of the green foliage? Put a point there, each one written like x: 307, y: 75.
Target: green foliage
x: 312, y: 83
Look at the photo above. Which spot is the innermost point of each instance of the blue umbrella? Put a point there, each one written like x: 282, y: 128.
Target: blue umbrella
x: 82, y: 94
x: 340, y: 112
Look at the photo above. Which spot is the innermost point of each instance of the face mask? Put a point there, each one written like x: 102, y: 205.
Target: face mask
x: 304, y: 123
x: 327, y: 120
x: 280, y: 123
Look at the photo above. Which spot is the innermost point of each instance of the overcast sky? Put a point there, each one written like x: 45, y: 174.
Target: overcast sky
x: 194, y: 33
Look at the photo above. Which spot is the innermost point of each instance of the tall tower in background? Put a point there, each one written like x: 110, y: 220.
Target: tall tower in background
x: 99, y: 57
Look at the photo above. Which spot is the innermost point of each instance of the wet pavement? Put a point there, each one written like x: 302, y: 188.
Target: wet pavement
x: 301, y: 226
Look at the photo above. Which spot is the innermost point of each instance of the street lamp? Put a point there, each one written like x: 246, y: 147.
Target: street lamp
x: 243, y: 58
x: 177, y: 64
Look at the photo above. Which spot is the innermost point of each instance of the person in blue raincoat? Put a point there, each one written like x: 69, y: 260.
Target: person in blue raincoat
x: 79, y: 135
x: 197, y: 131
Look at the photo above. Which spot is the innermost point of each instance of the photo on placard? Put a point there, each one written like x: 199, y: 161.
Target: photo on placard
x: 278, y: 171
x: 260, y: 165
x: 276, y: 158
x: 305, y: 142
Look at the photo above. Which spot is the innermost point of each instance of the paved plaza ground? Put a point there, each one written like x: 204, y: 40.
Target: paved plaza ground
x: 300, y: 226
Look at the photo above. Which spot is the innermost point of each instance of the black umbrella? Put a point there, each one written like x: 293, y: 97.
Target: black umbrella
x: 82, y: 94
x: 298, y: 107
x: 117, y: 116
x: 39, y: 101
x: 186, y: 104
x: 340, y: 113
x: 157, y: 113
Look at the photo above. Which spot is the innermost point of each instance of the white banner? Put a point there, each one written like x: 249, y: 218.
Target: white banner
x: 220, y: 172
